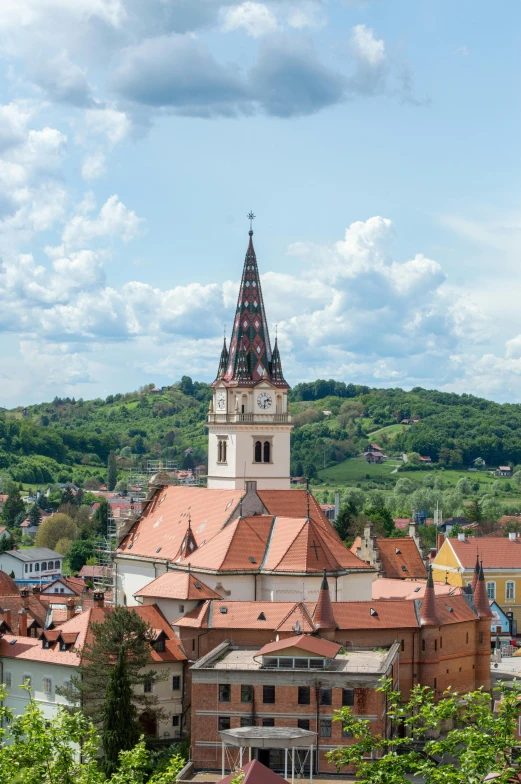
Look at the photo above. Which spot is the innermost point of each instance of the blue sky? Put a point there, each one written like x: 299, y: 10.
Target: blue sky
x: 376, y: 142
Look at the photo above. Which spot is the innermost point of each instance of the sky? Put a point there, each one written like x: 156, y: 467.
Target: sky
x: 376, y: 142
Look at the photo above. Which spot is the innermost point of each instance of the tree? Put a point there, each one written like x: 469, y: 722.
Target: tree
x: 6, y: 543
x: 379, y: 513
x: 59, y: 526
x: 120, y: 722
x: 13, y: 506
x: 63, y: 546
x: 480, y: 742
x: 124, y: 630
x: 100, y: 517
x: 35, y: 515
x: 345, y: 519
x: 112, y: 471
x: 474, y: 512
x: 79, y: 553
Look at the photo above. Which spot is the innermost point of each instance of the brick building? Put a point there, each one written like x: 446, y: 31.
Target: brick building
x: 443, y: 640
x: 298, y: 681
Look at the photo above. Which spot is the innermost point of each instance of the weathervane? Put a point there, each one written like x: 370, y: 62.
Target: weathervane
x: 251, y: 218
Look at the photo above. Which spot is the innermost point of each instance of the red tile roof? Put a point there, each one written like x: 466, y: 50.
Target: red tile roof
x: 385, y: 588
x: 7, y: 585
x: 178, y: 585
x: 495, y: 552
x: 256, y: 773
x: 306, y: 643
x: 76, y: 584
x: 408, y: 556
x: 294, y: 503
x: 93, y: 571
x: 241, y: 545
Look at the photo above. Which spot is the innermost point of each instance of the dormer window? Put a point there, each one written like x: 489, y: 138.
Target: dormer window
x: 46, y: 643
x: 159, y: 645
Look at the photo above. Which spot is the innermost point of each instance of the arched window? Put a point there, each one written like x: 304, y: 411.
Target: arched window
x: 224, y: 450
x: 37, y: 567
x: 44, y: 566
x: 258, y: 452
x: 219, y: 451
x: 423, y: 645
x: 56, y: 564
x: 267, y: 451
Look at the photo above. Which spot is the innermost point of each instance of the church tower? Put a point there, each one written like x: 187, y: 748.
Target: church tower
x: 249, y: 422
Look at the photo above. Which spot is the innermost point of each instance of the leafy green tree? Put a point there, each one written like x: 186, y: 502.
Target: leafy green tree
x: 474, y: 511
x: 345, y: 520
x: 112, y: 471
x: 63, y: 546
x: 56, y: 527
x: 479, y: 744
x: 186, y: 386
x: 35, y: 515
x: 122, y: 630
x: 80, y: 551
x: 13, y: 506
x: 100, y: 517
x: 380, y: 514
x: 121, y: 729
x: 6, y: 543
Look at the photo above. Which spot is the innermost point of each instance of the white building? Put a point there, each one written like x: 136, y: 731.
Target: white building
x: 50, y: 661
x: 32, y: 565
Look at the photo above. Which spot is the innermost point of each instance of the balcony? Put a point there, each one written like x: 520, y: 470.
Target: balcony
x: 259, y: 419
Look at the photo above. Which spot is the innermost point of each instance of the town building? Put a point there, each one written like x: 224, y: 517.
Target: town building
x: 443, y: 640
x: 501, y: 558
x: 49, y: 660
x: 395, y: 557
x: 35, y: 565
x: 21, y: 611
x: 295, y: 682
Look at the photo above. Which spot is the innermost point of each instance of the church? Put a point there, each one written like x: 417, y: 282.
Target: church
x: 247, y: 535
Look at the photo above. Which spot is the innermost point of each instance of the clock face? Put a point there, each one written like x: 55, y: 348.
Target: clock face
x: 221, y: 400
x: 264, y: 400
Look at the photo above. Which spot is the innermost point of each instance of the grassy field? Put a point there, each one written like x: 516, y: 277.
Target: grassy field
x: 391, y: 431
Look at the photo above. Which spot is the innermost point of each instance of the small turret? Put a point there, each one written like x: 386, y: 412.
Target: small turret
x: 323, y: 617
x: 480, y: 596
x: 476, y: 575
x: 223, y: 362
x: 428, y: 612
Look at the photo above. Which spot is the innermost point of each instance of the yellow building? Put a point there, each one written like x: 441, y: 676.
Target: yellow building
x: 501, y: 556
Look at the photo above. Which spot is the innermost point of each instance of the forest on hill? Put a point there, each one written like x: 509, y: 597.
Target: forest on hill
x: 70, y: 440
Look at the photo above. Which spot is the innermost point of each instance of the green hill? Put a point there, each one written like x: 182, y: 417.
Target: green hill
x: 70, y: 440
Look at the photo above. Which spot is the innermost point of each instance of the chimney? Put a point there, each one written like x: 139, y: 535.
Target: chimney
x: 461, y: 537
x: 251, y: 486
x: 24, y: 595
x: 476, y: 575
x: 512, y: 536
x: 36, y: 591
x: 337, y: 504
x: 22, y: 623
x: 480, y: 597
x: 323, y: 617
x: 428, y: 611
x: 441, y: 539
x: 98, y: 598
x: 8, y: 618
x: 71, y: 608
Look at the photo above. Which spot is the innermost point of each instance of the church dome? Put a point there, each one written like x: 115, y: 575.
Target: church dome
x: 8, y: 587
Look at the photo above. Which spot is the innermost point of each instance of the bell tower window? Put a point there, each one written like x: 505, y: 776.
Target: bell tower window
x: 258, y: 452
x: 267, y: 452
x: 222, y: 448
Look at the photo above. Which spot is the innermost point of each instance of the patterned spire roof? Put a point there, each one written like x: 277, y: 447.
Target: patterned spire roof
x: 250, y: 357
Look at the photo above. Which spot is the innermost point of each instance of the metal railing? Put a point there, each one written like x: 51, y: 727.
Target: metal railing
x: 258, y: 418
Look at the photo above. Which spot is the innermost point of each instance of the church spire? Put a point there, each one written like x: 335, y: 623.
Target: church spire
x: 323, y: 617
x: 223, y: 362
x: 276, y: 366
x: 250, y: 357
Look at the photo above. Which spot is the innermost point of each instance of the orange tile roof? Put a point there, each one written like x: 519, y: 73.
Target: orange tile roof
x: 36, y: 611
x: 306, y: 643
x: 387, y: 588
x: 294, y: 503
x: 161, y: 529
x: 408, y: 557
x: 178, y: 585
x: 235, y: 546
x: 496, y: 552
x: 279, y: 616
x: 255, y: 773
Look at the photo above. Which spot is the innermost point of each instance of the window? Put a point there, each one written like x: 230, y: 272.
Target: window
x: 246, y: 721
x: 303, y: 724
x: 491, y: 590
x: 46, y: 643
x: 326, y: 698
x: 268, y: 695
x: 47, y: 686
x: 435, y: 645
x: 423, y: 645
x: 402, y: 645
x: 147, y: 687
x: 267, y: 452
x: 56, y: 564
x: 346, y: 733
x: 467, y: 638
x: 246, y: 693
x: 436, y: 682
x: 481, y: 636
x: 176, y: 683
x: 30, y: 567
x: 193, y: 644
x: 348, y: 697
x: 56, y: 590
x: 8, y: 679
x: 27, y: 679
x: 510, y: 591
x: 225, y: 692
x: 258, y: 452
x: 37, y: 567
x: 303, y: 695
x: 159, y: 645
x: 222, y: 448
x: 44, y: 566
x: 325, y: 728
x: 181, y: 608
x: 175, y: 721
x: 223, y: 723
x: 268, y: 722
x: 26, y: 568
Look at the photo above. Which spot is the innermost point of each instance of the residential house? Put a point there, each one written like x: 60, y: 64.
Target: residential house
x: 425, y: 459
x: 37, y: 564
x: 4, y: 532
x: 21, y: 611
x: 176, y: 593
x: 396, y: 557
x: 295, y: 682
x: 51, y: 660
x: 374, y: 457
x: 459, y: 557
x: 503, y: 471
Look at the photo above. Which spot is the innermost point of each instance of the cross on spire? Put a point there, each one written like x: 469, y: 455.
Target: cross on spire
x: 251, y: 217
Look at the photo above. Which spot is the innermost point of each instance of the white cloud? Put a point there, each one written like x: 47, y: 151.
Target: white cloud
x: 108, y: 122
x: 114, y: 220
x: 94, y: 166
x: 366, y: 47
x: 255, y: 19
